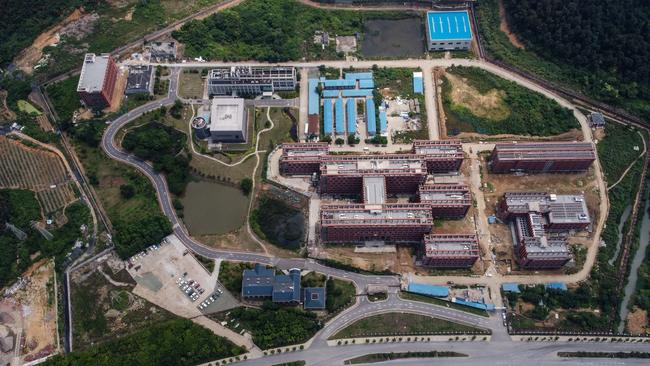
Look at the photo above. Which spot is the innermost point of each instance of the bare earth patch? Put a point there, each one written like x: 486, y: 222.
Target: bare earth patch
x: 489, y: 105
x: 637, y: 321
x: 503, y: 26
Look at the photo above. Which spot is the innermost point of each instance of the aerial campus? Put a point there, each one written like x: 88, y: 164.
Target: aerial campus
x: 323, y: 182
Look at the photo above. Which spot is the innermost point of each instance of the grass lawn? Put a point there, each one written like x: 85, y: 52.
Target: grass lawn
x: 281, y: 131
x: 475, y: 100
x: 340, y: 294
x: 616, y: 150
x: 390, y: 324
x: 25, y: 106
x: 313, y: 279
x: 64, y: 97
x: 432, y: 300
x: 230, y: 276
x: 190, y: 84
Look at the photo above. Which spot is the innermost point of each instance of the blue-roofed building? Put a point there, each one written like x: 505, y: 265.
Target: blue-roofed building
x: 366, y: 84
x: 339, y: 117
x: 511, y: 287
x: 330, y: 93
x: 448, y: 30
x: 314, y: 99
x: 556, y: 286
x: 356, y: 93
x: 351, y: 109
x: 371, y: 120
x: 428, y: 290
x: 339, y: 84
x: 473, y: 304
x: 383, y: 122
x: 328, y: 117
x: 314, y: 298
x: 358, y: 75
x: 418, y: 86
x: 261, y: 282
x: 257, y: 282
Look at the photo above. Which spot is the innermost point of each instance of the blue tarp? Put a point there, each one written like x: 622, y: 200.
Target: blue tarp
x: 339, y: 84
x: 383, y: 122
x: 366, y: 84
x: 418, y: 87
x: 314, y: 100
x: 330, y: 93
x: 557, y: 286
x: 356, y: 93
x: 429, y: 290
x: 351, y: 106
x: 328, y: 118
x: 371, y: 120
x: 339, y: 117
x: 510, y: 287
x: 478, y: 305
x: 358, y: 75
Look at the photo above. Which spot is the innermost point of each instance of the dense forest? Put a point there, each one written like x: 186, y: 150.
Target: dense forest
x: 177, y: 342
x: 22, y: 20
x: 605, y: 41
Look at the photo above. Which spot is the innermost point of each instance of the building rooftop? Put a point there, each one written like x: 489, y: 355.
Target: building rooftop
x: 305, y: 149
x: 561, y: 208
x: 448, y: 193
x: 449, y: 25
x: 258, y: 281
x: 374, y: 190
x: 545, y: 150
x: 227, y: 114
x: 390, y: 214
x: 286, y: 288
x: 439, y: 147
x: 314, y: 298
x: 368, y: 164
x: 429, y: 290
x: 451, y: 245
x: 139, y: 78
x: 93, y: 72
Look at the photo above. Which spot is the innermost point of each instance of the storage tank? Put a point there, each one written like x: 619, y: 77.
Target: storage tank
x: 200, y: 127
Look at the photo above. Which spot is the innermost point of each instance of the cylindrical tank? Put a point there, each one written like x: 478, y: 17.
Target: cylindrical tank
x: 200, y: 127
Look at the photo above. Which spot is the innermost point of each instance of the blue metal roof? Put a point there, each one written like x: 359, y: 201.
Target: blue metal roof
x: 358, y: 75
x: 339, y: 117
x: 556, y: 286
x: 418, y: 86
x: 286, y: 288
x: 328, y: 118
x: 473, y: 304
x: 429, y: 290
x: 356, y: 93
x: 331, y: 93
x: 371, y: 120
x: 339, y: 84
x: 366, y: 84
x: 258, y: 282
x: 449, y: 25
x: 314, y: 99
x: 351, y: 108
x: 314, y: 298
x: 510, y: 287
x: 383, y: 122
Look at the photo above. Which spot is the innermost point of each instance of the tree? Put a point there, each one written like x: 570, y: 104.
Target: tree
x: 246, y: 185
x: 127, y: 191
x: 339, y: 141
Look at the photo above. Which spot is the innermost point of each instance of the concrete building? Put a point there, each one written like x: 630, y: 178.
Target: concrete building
x: 162, y: 51
x: 228, y: 120
x: 140, y: 80
x: 314, y: 298
x: 441, y: 156
x: 446, y: 200
x: 540, y: 223
x: 352, y: 223
x: 262, y: 283
x: 448, y: 30
x: 302, y: 158
x: 542, y: 157
x: 97, y: 81
x: 251, y: 80
x: 596, y: 120
x: 450, y: 250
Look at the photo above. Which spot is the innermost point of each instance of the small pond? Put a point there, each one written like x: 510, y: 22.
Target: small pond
x: 213, y: 208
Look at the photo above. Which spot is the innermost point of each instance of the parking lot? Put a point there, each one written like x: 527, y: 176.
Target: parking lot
x: 170, y: 277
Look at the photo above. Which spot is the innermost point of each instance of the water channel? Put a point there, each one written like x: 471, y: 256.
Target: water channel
x: 213, y: 208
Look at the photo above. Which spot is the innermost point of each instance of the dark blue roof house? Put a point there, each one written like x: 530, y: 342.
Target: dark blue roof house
x: 314, y: 298
x: 261, y: 282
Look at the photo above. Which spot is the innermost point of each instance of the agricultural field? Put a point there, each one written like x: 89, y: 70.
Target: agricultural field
x: 477, y: 102
x: 38, y: 170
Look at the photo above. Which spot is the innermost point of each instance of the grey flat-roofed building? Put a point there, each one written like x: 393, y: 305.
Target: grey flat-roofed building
x: 228, y: 122
x: 251, y: 80
x: 374, y: 190
x: 97, y: 80
x: 596, y: 120
x: 450, y: 250
x: 140, y: 80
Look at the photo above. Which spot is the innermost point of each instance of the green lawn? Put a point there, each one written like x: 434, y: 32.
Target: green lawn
x: 402, y: 324
x: 25, y: 106
x: 340, y: 294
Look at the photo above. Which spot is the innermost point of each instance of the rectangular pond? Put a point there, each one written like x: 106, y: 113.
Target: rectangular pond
x: 213, y: 208
x: 393, y: 38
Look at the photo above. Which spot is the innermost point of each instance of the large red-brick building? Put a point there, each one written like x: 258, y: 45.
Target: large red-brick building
x: 302, y: 158
x: 97, y: 81
x: 542, y: 157
x: 541, y: 223
x: 441, y: 156
x: 450, y: 250
x: 447, y: 200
